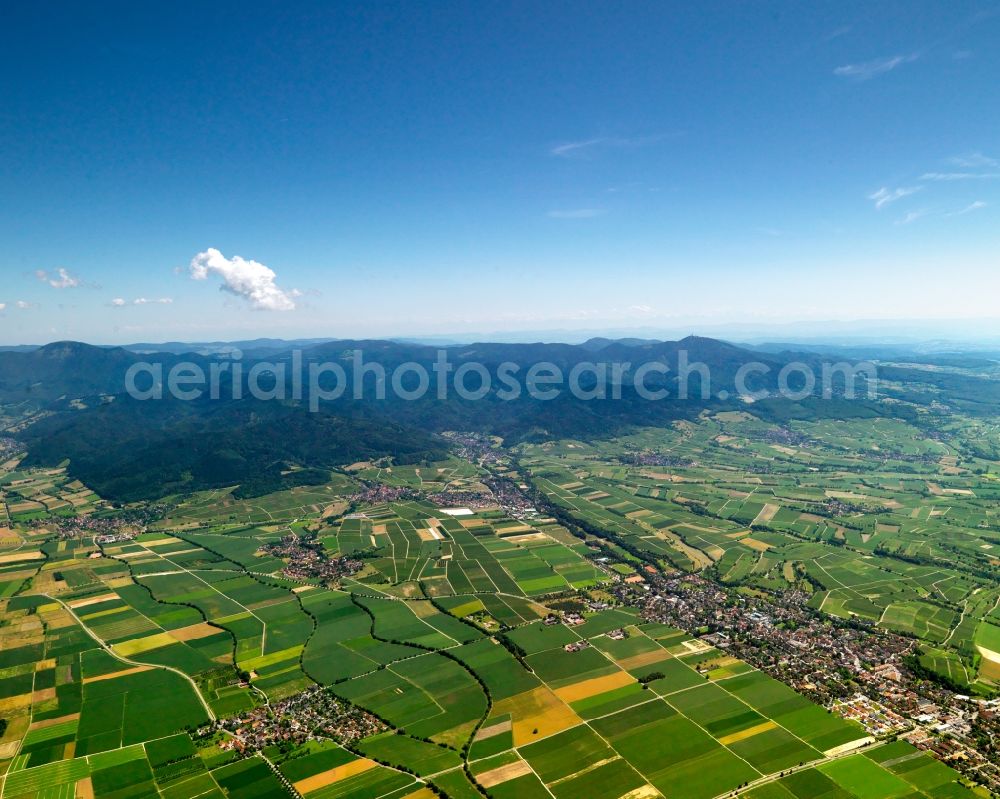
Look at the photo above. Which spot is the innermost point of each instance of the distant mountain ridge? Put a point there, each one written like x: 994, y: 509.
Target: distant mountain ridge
x: 129, y: 449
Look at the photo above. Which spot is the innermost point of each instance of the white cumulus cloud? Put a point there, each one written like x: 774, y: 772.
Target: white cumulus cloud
x: 60, y: 279
x: 3, y: 306
x: 121, y: 302
x: 250, y: 280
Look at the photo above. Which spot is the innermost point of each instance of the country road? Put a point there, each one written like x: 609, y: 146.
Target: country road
x: 123, y: 659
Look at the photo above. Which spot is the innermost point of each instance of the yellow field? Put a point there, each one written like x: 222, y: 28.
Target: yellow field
x: 324, y: 778
x: 673, y: 478
x: 139, y: 645
x: 526, y: 537
x: 14, y: 702
x: 520, y: 528
x: 753, y: 543
x: 645, y: 659
x: 503, y: 774
x: 14, y: 557
x: 161, y: 542
x: 643, y: 792
x: 742, y: 735
x: 114, y: 674
x: 538, y: 709
x: 989, y: 666
x: 767, y: 513
x: 91, y: 600
x: 469, y: 607
x: 195, y: 631
x: 597, y: 685
x: 8, y: 537
x: 57, y: 619
x: 101, y: 614
x: 333, y: 509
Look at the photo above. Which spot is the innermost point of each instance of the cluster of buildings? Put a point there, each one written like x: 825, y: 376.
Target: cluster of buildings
x: 122, y: 525
x: 307, y: 560
x: 849, y: 666
x: 477, y: 448
x: 503, y: 491
x: 785, y: 436
x: 512, y: 497
x: 9, y: 447
x: 878, y: 720
x: 113, y: 538
x: 381, y: 494
x: 475, y: 500
x: 650, y: 458
x: 310, y: 715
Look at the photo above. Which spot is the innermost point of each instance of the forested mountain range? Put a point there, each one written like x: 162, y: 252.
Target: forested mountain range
x: 68, y: 400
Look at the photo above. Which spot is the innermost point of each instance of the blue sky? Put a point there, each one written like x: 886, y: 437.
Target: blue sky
x: 436, y: 168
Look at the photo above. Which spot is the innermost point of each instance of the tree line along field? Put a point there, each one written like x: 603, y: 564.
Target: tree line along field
x: 106, y: 663
x: 878, y: 520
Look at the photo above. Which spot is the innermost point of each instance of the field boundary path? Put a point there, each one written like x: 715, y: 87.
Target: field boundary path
x: 107, y: 648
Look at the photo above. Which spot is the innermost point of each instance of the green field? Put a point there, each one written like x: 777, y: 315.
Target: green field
x: 441, y: 632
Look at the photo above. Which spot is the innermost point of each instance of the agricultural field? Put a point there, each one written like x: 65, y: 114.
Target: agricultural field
x: 411, y: 543
x: 219, y: 507
x: 43, y: 493
x: 878, y: 520
x: 893, y: 771
x: 453, y: 474
x: 488, y: 647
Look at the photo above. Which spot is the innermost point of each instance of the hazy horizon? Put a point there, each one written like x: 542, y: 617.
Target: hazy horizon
x: 913, y: 333
x: 670, y: 167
